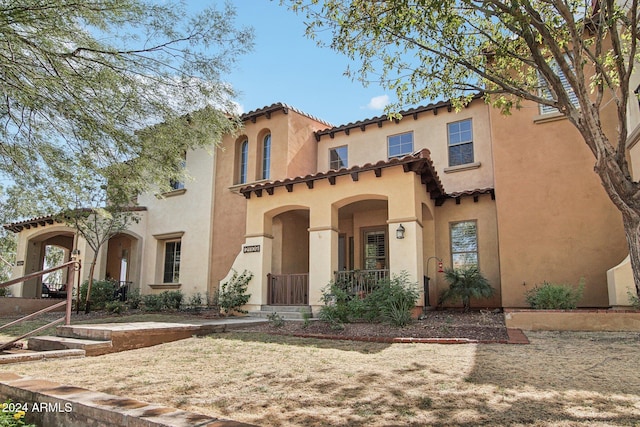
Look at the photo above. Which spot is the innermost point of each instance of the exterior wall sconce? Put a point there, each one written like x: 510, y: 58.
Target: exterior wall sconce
x: 400, y: 232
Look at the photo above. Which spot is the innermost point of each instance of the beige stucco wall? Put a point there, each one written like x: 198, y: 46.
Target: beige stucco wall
x: 184, y: 214
x: 404, y: 196
x: 429, y: 131
x: 555, y: 221
x: 573, y: 320
x: 483, y: 212
x: 293, y: 149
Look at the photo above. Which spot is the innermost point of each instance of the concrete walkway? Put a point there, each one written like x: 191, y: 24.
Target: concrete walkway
x: 103, y: 338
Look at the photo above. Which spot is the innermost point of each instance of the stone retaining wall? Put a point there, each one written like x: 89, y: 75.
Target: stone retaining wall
x: 573, y: 320
x: 47, y: 403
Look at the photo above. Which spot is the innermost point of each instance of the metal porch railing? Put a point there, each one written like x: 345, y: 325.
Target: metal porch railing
x: 71, y: 266
x: 359, y: 282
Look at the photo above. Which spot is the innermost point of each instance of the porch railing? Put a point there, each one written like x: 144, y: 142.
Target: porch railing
x: 359, y: 282
x: 288, y: 289
x: 72, y: 267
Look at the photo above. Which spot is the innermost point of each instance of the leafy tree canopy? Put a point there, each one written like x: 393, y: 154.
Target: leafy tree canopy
x: 85, y: 84
x: 577, y: 56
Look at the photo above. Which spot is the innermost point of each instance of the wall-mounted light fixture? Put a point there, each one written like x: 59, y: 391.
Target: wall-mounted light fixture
x: 75, y: 252
x: 400, y: 232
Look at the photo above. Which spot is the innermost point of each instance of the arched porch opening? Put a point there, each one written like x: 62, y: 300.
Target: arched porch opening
x: 363, y: 242
x: 123, y: 262
x: 48, y: 250
x: 288, y: 280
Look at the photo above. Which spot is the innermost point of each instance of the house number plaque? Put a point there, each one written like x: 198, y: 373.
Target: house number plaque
x: 250, y: 249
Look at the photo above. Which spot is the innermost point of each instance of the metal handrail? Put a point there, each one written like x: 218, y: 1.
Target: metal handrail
x: 68, y: 302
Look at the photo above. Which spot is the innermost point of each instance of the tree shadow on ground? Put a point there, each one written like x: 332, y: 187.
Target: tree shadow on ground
x: 344, y: 345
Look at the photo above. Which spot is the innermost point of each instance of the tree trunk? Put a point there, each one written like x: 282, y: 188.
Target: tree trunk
x: 624, y: 193
x: 87, y: 302
x: 632, y: 231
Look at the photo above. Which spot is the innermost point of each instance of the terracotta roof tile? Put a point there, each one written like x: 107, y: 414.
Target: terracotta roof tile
x: 278, y: 106
x: 419, y: 162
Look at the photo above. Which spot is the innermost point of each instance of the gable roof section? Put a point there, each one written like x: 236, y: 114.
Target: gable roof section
x: 419, y: 163
x: 18, y: 226
x: 273, y: 108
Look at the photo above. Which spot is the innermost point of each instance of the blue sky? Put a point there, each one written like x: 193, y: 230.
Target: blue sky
x: 285, y: 66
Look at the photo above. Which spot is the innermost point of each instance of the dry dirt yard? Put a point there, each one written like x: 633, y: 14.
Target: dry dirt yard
x: 560, y: 379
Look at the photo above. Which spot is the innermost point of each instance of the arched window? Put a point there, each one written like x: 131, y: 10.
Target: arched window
x: 243, y: 161
x: 266, y: 156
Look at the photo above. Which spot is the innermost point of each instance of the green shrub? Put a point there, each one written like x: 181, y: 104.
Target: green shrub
x: 634, y: 301
x: 551, y: 296
x: 233, y: 294
x: 306, y: 319
x: 337, y: 306
x: 391, y: 300
x: 152, y: 302
x: 115, y: 307
x: 172, y: 300
x: 195, y: 302
x: 275, y: 320
x: 102, y: 292
x: 465, y: 284
x: 4, y: 292
x: 134, y: 299
x: 213, y: 300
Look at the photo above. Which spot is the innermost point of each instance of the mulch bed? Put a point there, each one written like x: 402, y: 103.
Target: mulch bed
x: 434, y: 326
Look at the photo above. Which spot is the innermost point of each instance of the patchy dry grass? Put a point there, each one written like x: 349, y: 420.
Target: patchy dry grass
x: 560, y: 379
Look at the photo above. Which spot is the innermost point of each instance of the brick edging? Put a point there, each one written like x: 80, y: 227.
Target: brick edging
x: 515, y: 337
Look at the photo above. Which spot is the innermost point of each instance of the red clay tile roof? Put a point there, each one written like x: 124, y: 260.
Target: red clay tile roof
x: 476, y: 192
x: 379, y: 120
x: 419, y: 162
x: 18, y: 226
x: 278, y: 106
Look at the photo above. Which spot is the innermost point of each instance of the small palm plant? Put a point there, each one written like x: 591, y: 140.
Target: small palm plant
x: 465, y: 283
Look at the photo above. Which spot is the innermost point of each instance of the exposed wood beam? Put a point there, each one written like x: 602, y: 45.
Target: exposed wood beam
x: 310, y: 184
x: 354, y: 176
x: 332, y: 180
x: 289, y: 187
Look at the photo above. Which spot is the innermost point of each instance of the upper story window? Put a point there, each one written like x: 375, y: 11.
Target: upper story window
x: 338, y: 158
x: 464, y: 244
x: 243, y: 161
x: 546, y: 93
x: 177, y: 184
x: 460, y: 142
x: 400, y: 145
x: 266, y: 156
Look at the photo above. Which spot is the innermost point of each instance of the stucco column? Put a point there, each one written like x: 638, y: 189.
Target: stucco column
x: 323, y: 260
x: 406, y: 254
x: 255, y: 256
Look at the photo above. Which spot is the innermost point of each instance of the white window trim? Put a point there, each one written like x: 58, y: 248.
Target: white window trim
x: 413, y: 144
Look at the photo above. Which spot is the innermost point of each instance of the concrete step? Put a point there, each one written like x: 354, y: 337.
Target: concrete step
x: 29, y: 356
x: 49, y: 343
x: 286, y: 308
x: 287, y: 312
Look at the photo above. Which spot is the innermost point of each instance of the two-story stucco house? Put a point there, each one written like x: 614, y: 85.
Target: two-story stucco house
x: 300, y: 203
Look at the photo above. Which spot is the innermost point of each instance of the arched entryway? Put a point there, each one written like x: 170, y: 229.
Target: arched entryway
x: 363, y: 241
x: 62, y: 239
x: 123, y: 261
x: 288, y: 281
